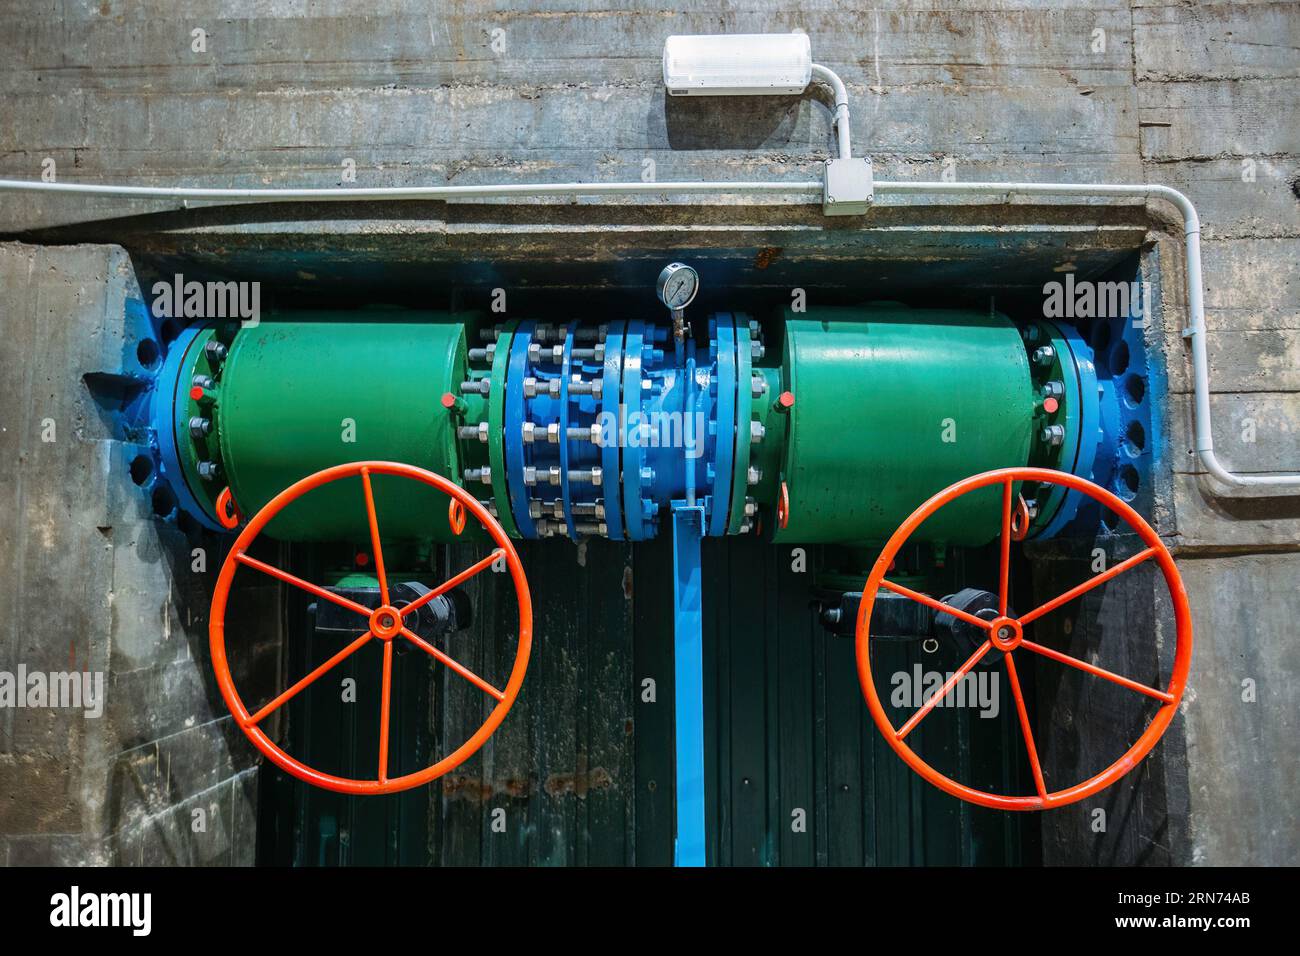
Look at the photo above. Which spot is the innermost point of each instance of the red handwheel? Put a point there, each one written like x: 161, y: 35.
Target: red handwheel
x: 1006, y: 634
x: 384, y: 624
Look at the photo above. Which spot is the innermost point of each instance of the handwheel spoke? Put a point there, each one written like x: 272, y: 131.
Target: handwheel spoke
x: 447, y: 585
x: 933, y: 603
x: 1004, y: 573
x: 385, y: 706
x: 1025, y: 729
x: 943, y: 691
x: 308, y: 680
x: 455, y: 665
x: 374, y: 535
x: 1098, y: 671
x: 298, y: 582
x: 1087, y: 586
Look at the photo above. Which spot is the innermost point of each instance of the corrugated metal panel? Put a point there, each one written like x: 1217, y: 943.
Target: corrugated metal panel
x: 583, y: 767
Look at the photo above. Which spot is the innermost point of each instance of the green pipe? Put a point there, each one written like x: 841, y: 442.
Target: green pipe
x: 893, y: 404
x: 300, y: 394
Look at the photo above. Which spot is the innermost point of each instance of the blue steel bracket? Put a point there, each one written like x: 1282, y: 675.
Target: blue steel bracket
x: 688, y: 670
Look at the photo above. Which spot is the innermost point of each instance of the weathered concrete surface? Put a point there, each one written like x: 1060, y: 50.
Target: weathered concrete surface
x: 1197, y: 96
x: 556, y: 91
x: 1241, y: 718
x: 93, y: 583
x: 1216, y: 90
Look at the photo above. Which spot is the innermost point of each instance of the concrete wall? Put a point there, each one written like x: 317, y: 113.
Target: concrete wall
x: 93, y: 584
x: 1218, y: 119
x: 1197, y: 96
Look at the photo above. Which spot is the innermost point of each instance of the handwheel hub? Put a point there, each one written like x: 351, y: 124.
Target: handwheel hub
x: 1005, y: 632
x: 386, y: 622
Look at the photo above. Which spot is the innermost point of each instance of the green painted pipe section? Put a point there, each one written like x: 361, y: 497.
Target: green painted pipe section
x: 302, y: 393
x: 893, y: 404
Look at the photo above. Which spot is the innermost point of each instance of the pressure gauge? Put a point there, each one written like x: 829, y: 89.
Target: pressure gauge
x: 677, y: 286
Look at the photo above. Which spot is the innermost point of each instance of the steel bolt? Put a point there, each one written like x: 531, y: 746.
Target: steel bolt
x: 758, y: 386
x: 200, y: 427
x: 483, y: 474
x: 1044, y: 355
x: 588, y: 387
x: 553, y: 354
x: 209, y: 470
x: 588, y: 509
x: 533, y: 475
x: 454, y: 404
x: 205, y: 397
x: 754, y: 475
x: 1054, y: 389
x: 534, y: 387
x: 215, y: 351
x: 756, y: 432
x: 1053, y: 434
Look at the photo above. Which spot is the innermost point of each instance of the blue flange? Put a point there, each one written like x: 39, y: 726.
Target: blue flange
x: 632, y: 432
x: 167, y: 392
x: 611, y: 390
x: 512, y: 436
x: 724, y: 373
x: 566, y: 365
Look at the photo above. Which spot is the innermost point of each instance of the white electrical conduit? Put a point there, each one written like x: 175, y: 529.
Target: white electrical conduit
x: 810, y: 189
x: 828, y: 76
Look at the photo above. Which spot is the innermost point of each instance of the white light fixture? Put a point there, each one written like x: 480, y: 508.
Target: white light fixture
x: 737, y: 65
x: 758, y: 64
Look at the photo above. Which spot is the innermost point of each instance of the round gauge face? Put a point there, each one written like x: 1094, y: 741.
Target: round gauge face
x: 678, y: 284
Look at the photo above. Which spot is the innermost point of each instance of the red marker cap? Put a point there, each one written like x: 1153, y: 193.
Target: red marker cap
x: 448, y: 400
x: 1050, y: 405
x: 196, y: 393
x: 786, y: 400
